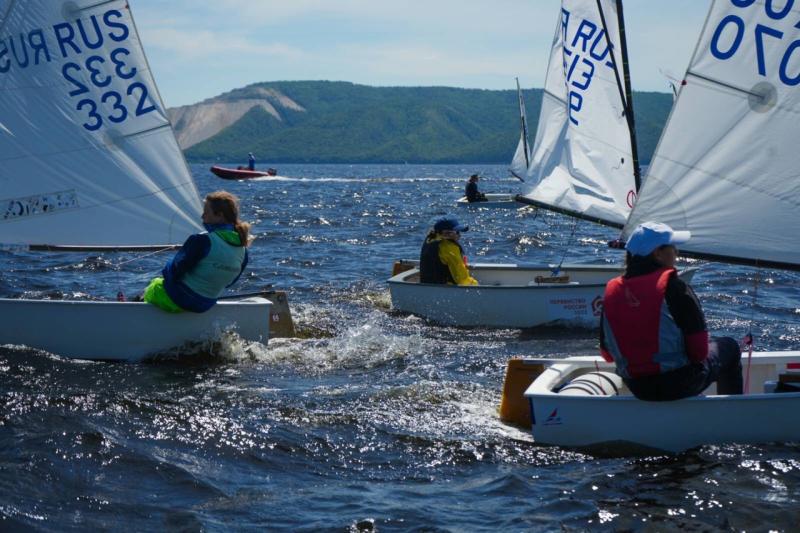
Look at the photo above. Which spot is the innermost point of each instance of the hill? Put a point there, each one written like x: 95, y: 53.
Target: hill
x: 340, y: 122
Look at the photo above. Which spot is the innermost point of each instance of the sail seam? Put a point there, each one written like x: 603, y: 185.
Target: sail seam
x: 87, y: 147
x: 98, y: 4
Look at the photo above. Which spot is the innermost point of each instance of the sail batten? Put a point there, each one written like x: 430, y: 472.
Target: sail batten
x: 726, y: 165
x: 583, y: 162
x: 80, y: 112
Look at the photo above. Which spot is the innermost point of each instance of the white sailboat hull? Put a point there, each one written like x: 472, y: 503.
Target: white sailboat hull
x: 581, y: 421
x: 493, y: 201
x: 127, y: 331
x: 508, y: 296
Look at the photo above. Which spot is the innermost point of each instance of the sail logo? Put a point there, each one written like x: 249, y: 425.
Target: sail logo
x: 597, y: 306
x: 42, y: 204
x: 554, y: 419
x: 585, y: 48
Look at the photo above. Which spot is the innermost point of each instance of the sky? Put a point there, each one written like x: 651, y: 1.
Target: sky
x: 199, y: 50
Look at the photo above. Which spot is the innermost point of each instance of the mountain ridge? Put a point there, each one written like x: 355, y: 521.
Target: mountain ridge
x: 343, y: 122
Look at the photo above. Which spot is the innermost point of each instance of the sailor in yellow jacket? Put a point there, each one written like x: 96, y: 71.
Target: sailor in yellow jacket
x: 442, y: 258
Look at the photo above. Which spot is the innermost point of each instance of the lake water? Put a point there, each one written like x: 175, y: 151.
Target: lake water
x: 374, y: 420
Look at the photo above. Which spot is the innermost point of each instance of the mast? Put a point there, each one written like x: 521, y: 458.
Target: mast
x: 625, y: 93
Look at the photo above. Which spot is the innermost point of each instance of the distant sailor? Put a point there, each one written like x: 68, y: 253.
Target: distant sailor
x: 442, y: 258
x: 207, y: 263
x: 471, y: 191
x: 654, y: 329
x: 251, y: 161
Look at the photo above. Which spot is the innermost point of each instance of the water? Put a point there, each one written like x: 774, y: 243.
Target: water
x: 375, y: 421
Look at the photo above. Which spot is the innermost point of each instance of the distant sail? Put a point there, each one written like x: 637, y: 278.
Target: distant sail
x: 726, y: 167
x: 522, y: 156
x: 582, y: 157
x: 87, y: 154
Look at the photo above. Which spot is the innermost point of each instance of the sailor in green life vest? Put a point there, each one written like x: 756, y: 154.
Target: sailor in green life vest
x: 207, y: 263
x: 442, y: 258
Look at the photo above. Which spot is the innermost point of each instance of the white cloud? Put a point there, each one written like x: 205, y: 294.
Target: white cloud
x: 467, y: 43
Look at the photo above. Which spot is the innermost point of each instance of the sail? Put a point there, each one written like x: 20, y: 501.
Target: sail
x: 522, y: 156
x: 87, y: 154
x: 726, y: 167
x: 582, y: 159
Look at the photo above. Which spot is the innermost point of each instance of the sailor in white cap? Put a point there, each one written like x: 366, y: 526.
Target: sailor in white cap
x: 654, y: 329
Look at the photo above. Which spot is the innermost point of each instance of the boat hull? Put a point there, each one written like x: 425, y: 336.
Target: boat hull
x: 238, y: 174
x: 508, y: 296
x: 494, y: 201
x: 127, y: 331
x: 592, y: 421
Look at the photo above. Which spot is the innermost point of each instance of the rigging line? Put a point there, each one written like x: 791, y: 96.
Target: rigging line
x: 117, y: 270
x: 139, y: 258
x: 557, y: 270
x: 748, y: 339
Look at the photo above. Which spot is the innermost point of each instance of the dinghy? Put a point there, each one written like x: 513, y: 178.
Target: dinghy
x: 518, y: 168
x: 571, y: 172
x: 493, y: 201
x: 521, y: 161
x: 734, y: 185
x: 508, y: 296
x: 241, y: 173
x: 89, y: 161
x: 581, y: 402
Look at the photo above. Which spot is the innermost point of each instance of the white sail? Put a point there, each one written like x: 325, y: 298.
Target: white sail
x: 87, y: 154
x: 726, y: 167
x: 522, y: 156
x: 582, y: 156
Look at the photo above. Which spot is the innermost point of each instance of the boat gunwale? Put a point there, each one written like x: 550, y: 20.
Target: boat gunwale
x: 401, y: 278
x: 544, y: 389
x: 250, y: 301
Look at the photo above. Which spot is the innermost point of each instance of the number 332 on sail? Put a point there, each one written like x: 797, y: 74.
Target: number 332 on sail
x: 91, y: 53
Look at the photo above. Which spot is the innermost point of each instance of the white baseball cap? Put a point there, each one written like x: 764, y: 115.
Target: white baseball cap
x: 650, y: 235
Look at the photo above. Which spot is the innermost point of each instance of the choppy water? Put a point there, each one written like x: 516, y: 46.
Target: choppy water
x: 377, y: 421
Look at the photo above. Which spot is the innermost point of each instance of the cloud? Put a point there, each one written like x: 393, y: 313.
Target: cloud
x: 205, y: 46
x: 208, y: 46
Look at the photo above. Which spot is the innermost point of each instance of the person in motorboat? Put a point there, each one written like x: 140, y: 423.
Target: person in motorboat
x: 207, y: 263
x: 654, y: 329
x: 442, y: 258
x: 251, y: 161
x: 471, y: 191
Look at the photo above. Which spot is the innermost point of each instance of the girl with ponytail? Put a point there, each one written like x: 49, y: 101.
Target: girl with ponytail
x: 207, y: 263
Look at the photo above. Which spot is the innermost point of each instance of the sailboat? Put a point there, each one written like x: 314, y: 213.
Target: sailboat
x: 89, y: 161
x: 734, y: 184
x: 522, y: 155
x: 518, y: 168
x: 584, y: 164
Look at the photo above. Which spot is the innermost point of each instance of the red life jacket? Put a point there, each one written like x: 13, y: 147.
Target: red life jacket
x: 639, y: 331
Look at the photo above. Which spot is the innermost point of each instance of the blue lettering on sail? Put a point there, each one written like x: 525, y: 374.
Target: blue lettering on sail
x: 95, y: 56
x: 585, y: 52
x: 42, y: 204
x: 731, y: 35
x: 5, y: 63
